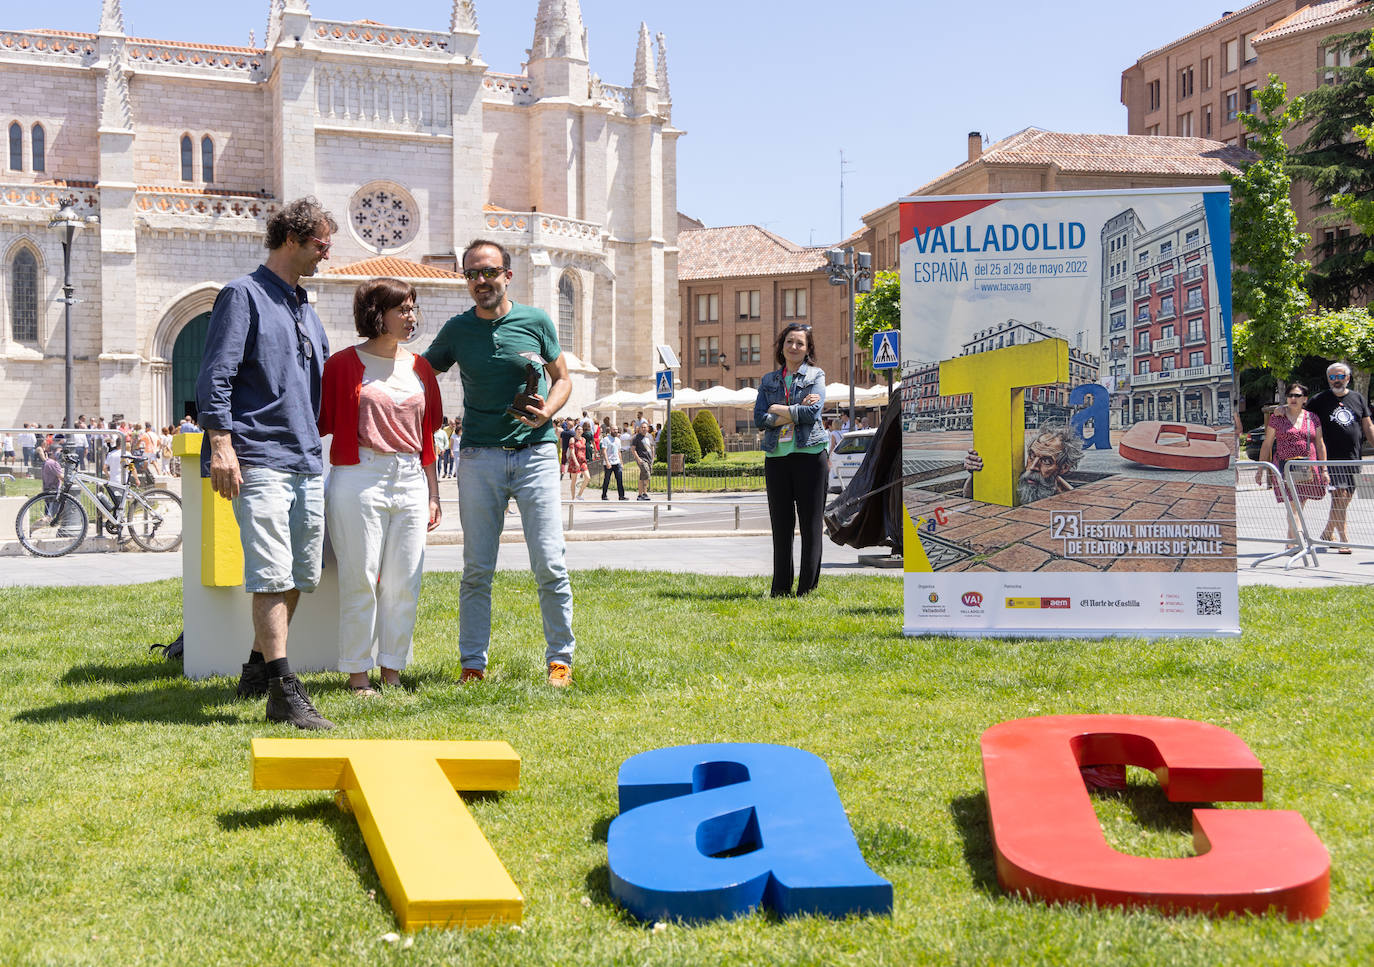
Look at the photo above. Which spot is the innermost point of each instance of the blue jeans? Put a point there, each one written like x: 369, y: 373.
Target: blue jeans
x: 488, y: 477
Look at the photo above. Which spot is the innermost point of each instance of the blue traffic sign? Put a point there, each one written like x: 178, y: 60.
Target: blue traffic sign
x: 663, y: 384
x: 887, y: 349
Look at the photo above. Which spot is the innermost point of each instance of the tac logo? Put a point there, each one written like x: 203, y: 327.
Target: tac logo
x: 933, y: 598
x: 972, y: 599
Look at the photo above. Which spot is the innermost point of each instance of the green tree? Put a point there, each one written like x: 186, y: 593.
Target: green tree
x: 684, y: 440
x: 878, y: 310
x: 708, y: 433
x: 1339, y: 167
x: 1345, y: 335
x: 1267, y: 247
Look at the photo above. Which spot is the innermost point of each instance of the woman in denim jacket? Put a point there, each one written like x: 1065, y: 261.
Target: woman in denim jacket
x: 795, y: 444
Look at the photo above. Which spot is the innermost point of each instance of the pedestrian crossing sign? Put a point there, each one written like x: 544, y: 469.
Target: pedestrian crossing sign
x: 663, y: 384
x: 886, y: 354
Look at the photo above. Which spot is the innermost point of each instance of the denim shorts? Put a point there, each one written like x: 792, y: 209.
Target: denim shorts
x: 281, y: 525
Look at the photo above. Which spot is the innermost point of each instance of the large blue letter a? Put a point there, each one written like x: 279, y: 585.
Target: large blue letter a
x: 709, y: 831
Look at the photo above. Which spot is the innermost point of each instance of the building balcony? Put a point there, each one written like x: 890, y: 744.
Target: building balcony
x: 1176, y: 375
x: 537, y: 229
x: 1166, y: 345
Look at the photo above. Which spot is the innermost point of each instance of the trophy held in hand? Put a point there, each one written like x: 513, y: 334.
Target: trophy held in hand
x: 530, y: 395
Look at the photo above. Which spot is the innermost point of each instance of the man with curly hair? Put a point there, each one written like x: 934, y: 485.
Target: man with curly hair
x: 258, y: 397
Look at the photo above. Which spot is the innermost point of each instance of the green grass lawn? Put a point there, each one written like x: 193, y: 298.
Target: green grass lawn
x: 130, y: 834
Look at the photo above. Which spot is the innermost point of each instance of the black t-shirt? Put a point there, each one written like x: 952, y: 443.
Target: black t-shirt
x: 639, y: 443
x: 1341, y: 418
x: 564, y: 438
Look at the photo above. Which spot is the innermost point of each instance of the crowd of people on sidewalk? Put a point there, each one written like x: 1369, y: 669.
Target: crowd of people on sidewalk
x: 586, y: 446
x: 91, y: 440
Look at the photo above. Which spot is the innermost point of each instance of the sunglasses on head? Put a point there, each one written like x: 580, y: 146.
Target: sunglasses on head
x: 472, y: 275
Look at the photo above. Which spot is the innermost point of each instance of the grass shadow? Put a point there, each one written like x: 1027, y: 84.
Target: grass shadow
x: 109, y: 674
x: 673, y: 594
x: 892, y: 611
x: 181, y: 703
x: 601, y: 829
x: 597, y: 883
x: 1152, y: 810
x: 342, y: 824
x: 970, y: 814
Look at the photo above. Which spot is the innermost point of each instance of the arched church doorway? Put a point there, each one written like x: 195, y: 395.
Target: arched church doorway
x: 186, y: 354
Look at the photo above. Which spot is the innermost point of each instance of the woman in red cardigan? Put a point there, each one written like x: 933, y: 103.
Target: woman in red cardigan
x: 381, y: 404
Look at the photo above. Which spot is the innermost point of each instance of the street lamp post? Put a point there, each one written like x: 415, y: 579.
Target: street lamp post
x: 66, y: 223
x: 854, y: 269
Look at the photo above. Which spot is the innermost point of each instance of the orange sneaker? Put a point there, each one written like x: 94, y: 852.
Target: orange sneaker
x: 471, y: 675
x: 560, y: 675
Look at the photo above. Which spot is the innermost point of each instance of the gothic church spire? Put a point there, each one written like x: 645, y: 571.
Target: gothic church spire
x: 558, y: 31
x: 111, y: 17
x: 643, y: 76
x: 464, y: 17
x: 662, y: 70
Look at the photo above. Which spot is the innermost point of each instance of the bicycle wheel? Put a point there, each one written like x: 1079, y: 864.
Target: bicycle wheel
x: 51, y: 524
x: 154, y: 519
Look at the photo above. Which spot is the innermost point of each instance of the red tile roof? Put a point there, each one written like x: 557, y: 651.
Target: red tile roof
x: 741, y: 250
x: 1322, y: 15
x: 1211, y: 26
x: 392, y: 267
x: 1124, y: 154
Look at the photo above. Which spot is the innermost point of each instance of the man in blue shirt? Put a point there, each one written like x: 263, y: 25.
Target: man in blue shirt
x: 258, y: 397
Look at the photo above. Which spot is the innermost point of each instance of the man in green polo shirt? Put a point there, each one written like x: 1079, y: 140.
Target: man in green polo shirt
x: 505, y: 456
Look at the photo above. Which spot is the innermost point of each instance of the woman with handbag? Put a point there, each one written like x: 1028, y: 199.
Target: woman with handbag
x: 576, y: 461
x: 1293, y: 433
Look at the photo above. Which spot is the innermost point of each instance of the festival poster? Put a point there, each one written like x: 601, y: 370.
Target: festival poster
x: 1067, y: 425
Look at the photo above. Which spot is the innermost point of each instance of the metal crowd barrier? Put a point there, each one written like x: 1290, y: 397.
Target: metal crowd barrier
x: 1290, y: 517
x: 1347, y: 504
x: 1266, y: 516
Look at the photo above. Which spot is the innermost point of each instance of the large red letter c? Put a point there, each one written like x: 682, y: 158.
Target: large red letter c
x: 1049, y: 844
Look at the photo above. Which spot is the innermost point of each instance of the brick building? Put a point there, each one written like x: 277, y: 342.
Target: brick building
x: 740, y: 286
x: 1199, y: 84
x: 178, y: 152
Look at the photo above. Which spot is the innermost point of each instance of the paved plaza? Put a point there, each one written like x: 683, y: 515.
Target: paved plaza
x: 748, y: 555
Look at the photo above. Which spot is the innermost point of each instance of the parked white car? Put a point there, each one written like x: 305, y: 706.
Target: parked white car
x: 847, y: 456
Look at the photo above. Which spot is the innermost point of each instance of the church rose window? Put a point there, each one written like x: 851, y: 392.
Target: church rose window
x: 383, y: 216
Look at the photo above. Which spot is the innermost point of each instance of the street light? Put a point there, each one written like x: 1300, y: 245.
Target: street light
x: 854, y: 269
x: 66, y: 223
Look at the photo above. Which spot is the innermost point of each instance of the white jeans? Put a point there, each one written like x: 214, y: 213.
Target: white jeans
x: 378, y: 514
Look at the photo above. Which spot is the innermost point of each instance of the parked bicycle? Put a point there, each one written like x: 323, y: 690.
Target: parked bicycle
x: 55, y: 522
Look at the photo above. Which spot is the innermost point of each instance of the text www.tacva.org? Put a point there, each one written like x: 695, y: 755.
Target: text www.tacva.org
x: 1003, y: 286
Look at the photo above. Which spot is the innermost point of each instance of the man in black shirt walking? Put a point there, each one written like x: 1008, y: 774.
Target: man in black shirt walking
x: 1345, y: 420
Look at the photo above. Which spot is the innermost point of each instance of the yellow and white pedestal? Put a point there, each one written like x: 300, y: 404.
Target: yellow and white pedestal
x: 216, y: 613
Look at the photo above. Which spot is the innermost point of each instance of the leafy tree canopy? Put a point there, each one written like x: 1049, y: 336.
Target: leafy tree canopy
x: 878, y: 310
x: 1339, y: 170
x: 1267, y: 248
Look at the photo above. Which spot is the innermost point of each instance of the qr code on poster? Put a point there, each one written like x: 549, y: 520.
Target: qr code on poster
x: 1209, y: 602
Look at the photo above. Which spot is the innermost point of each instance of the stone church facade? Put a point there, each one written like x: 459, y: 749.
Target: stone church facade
x: 176, y: 153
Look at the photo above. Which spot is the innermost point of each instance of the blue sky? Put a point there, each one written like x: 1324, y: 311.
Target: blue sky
x: 770, y: 93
